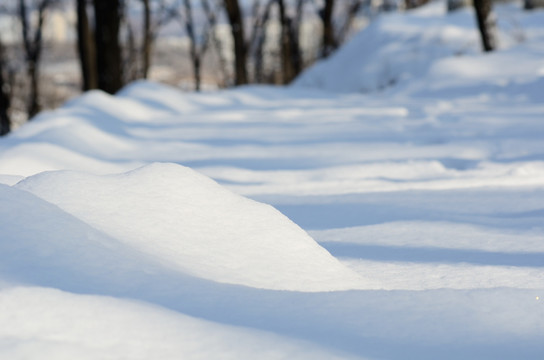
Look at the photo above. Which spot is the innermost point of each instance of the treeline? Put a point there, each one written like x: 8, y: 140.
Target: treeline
x: 114, y: 49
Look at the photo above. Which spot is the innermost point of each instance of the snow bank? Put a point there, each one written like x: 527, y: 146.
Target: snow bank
x: 394, y: 48
x: 190, y: 223
x: 429, y: 46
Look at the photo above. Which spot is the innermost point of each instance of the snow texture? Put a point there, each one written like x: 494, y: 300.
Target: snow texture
x: 388, y: 205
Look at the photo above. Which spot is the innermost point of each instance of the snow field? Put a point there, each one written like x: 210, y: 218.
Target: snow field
x: 404, y: 222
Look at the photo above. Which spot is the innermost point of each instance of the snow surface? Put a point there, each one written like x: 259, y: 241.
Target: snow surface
x: 407, y: 220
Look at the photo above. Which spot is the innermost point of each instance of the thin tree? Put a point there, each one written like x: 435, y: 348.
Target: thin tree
x: 486, y: 24
x: 86, y: 48
x: 33, y: 44
x: 147, y: 39
x: 5, y: 98
x: 196, y: 50
x: 236, y: 20
x: 156, y: 14
x: 107, y: 14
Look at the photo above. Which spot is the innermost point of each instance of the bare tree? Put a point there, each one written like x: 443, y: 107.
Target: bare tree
x: 197, y: 49
x: 156, y: 14
x: 33, y: 44
x: 5, y: 96
x: 236, y: 20
x: 107, y: 14
x: 86, y: 47
x: 486, y: 24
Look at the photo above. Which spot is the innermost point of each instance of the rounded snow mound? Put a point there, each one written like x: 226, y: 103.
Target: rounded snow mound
x: 192, y: 224
x: 394, y: 49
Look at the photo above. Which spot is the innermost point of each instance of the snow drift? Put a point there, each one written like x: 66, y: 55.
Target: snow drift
x: 429, y: 49
x: 192, y: 224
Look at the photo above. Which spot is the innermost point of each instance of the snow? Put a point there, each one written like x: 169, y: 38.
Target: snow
x: 189, y: 223
x: 388, y: 205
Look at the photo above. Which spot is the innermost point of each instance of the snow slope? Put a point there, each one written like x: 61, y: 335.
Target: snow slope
x: 406, y: 222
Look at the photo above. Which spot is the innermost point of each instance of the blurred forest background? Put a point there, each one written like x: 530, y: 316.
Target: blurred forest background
x: 52, y: 50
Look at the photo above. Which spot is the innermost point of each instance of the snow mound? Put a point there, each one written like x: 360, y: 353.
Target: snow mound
x: 429, y: 46
x: 191, y: 224
x: 394, y: 48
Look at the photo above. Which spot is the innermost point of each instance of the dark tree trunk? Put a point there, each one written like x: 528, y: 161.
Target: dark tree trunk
x: 236, y: 21
x: 486, y: 24
x: 328, y: 42
x: 85, y: 46
x: 5, y: 98
x: 290, y: 51
x: 533, y: 4
x: 34, y: 104
x: 146, y: 48
x: 108, y: 50
x: 285, y: 46
x: 294, y: 36
x: 412, y: 4
x: 33, y: 49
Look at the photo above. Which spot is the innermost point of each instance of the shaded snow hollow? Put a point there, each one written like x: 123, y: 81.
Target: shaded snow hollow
x: 191, y: 224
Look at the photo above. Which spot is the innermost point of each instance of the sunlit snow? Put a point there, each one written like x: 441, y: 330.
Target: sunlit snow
x: 387, y: 205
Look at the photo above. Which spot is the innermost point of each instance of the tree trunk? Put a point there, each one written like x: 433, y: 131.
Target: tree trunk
x: 195, y: 54
x: 294, y: 40
x: 290, y: 50
x: 328, y: 42
x: 108, y: 50
x: 285, y: 46
x: 146, y: 48
x: 486, y: 24
x: 533, y: 4
x: 5, y: 99
x: 236, y: 21
x: 85, y: 46
x: 33, y: 49
x: 34, y: 104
